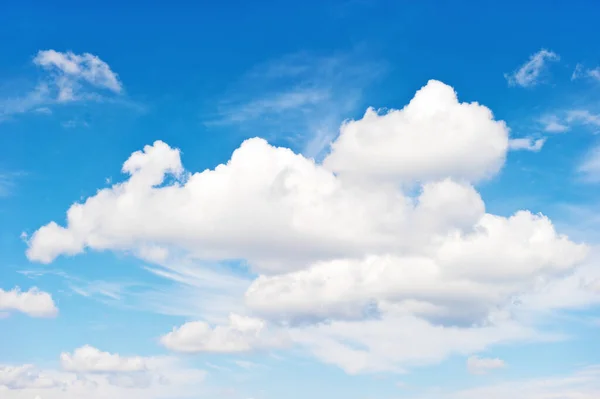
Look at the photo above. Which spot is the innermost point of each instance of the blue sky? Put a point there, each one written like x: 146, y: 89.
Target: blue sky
x: 324, y: 199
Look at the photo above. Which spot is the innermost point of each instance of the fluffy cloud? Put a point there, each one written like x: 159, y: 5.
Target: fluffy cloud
x: 529, y: 74
x: 91, y: 373
x: 90, y: 359
x: 464, y: 277
x: 381, y: 257
x: 481, y: 365
x: 24, y: 377
x: 433, y: 137
x: 242, y: 334
x: 33, y: 302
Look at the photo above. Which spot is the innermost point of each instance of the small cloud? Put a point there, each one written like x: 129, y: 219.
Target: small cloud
x: 43, y: 111
x: 245, y: 364
x: 73, y: 123
x: 590, y: 167
x: 529, y: 74
x: 582, y: 72
x: 583, y: 116
x: 526, y: 144
x: 481, y: 365
x: 553, y: 124
x: 70, y: 78
x: 70, y: 70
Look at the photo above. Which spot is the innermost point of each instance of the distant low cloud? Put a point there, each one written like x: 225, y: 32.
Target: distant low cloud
x: 482, y: 365
x: 529, y: 74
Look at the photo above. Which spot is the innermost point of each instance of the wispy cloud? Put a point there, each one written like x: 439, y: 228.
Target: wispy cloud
x: 565, y: 120
x: 67, y: 78
x: 590, y: 166
x: 530, y: 73
x: 553, y: 124
x: 302, y: 97
x: 581, y: 72
x: 7, y: 182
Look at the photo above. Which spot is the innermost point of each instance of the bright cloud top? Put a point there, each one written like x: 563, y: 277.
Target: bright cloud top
x: 386, y: 240
x: 33, y: 302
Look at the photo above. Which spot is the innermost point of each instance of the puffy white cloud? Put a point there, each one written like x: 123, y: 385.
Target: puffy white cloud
x: 462, y: 279
x: 71, y: 69
x: 24, y: 377
x: 527, y: 144
x: 482, y: 365
x: 90, y: 359
x: 433, y: 137
x: 91, y: 373
x: 381, y: 257
x: 529, y: 74
x: 33, y: 302
x: 241, y: 334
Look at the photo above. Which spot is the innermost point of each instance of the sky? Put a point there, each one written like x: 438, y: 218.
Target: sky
x: 265, y: 200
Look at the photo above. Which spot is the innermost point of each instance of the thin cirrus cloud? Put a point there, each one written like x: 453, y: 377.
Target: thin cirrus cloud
x: 34, y: 303
x: 302, y: 96
x: 581, y: 72
x: 531, y: 72
x: 331, y: 245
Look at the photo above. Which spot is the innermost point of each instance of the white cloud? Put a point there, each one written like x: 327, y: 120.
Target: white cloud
x: 482, y: 365
x: 433, y: 137
x: 582, y: 72
x: 69, y: 77
x: 303, y: 97
x: 241, y: 334
x: 582, y: 384
x: 90, y: 359
x: 72, y: 69
x: 335, y: 244
x: 97, y: 375
x: 462, y: 280
x: 553, y: 124
x: 527, y: 144
x: 530, y: 73
x: 395, y: 341
x: 24, y: 377
x: 583, y: 116
x: 33, y: 302
x: 590, y: 165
